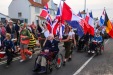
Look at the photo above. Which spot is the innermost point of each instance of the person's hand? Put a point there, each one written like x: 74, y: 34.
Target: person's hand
x: 60, y: 40
x: 38, y: 44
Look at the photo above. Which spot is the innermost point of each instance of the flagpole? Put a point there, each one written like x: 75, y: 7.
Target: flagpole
x: 84, y: 7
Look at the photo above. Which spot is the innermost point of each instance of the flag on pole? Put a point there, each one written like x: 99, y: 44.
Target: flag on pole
x: 89, y: 19
x: 102, y: 18
x: 108, y: 24
x: 57, y: 21
x: 75, y: 24
x: 68, y: 14
x: 79, y: 14
x: 46, y: 14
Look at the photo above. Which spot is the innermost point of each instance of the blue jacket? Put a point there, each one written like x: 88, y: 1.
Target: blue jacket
x: 8, y: 44
x: 98, y: 38
x: 52, y: 46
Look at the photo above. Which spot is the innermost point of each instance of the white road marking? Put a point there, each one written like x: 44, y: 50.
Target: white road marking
x: 84, y: 65
x: 3, y: 62
x: 106, y: 41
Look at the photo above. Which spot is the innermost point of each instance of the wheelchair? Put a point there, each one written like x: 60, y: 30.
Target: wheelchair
x: 98, y: 48
x: 55, y: 62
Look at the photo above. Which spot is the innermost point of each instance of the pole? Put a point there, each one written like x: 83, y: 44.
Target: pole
x: 84, y: 8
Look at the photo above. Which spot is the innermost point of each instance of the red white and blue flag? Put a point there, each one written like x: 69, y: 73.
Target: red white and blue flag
x: 90, y: 21
x: 57, y: 21
x: 102, y: 18
x: 46, y: 14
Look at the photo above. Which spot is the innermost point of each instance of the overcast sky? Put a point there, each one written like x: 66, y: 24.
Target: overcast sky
x: 96, y: 6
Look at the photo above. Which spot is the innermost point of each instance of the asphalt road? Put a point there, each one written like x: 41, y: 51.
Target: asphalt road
x: 81, y: 64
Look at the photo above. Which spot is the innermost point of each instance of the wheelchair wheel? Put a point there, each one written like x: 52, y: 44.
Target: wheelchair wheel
x: 98, y: 51
x: 58, y: 60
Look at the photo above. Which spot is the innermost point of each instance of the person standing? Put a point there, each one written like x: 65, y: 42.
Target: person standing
x: 43, y: 35
x: 10, y: 29
x: 33, y: 28
x: 67, y: 39
x: 9, y: 48
x: 2, y: 32
x: 17, y: 28
x: 24, y: 41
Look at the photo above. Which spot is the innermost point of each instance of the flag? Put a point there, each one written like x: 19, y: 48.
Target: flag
x: 46, y: 14
x: 61, y: 32
x: 102, y: 18
x: 89, y: 19
x: 79, y: 14
x: 68, y: 14
x: 108, y: 24
x: 57, y: 21
x: 75, y: 24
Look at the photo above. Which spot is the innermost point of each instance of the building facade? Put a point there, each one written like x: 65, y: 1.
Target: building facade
x: 29, y: 10
x: 3, y: 18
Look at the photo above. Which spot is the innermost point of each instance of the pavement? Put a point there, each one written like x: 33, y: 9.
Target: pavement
x: 81, y: 64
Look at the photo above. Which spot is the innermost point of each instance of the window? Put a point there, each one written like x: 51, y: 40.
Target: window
x: 37, y: 10
x: 26, y: 20
x: 19, y: 14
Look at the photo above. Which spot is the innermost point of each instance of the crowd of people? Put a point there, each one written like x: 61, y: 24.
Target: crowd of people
x: 20, y: 37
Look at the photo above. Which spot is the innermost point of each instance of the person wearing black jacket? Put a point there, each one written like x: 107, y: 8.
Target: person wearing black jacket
x: 10, y: 29
x: 50, y: 48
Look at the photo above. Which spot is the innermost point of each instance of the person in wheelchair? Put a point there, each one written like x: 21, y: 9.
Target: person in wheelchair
x: 96, y: 41
x: 49, y: 51
x: 83, y: 41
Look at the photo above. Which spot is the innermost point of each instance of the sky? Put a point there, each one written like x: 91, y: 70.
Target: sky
x: 96, y: 6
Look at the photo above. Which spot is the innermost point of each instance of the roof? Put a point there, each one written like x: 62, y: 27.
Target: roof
x: 4, y: 15
x: 38, y: 4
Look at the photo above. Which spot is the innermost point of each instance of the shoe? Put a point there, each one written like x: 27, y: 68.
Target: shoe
x: 69, y: 59
x: 89, y: 51
x: 93, y: 52
x: 30, y: 57
x: 36, y: 68
x: 21, y: 60
x: 64, y: 63
x: 43, y: 70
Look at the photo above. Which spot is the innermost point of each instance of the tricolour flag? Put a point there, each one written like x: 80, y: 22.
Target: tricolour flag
x: 89, y: 19
x: 68, y: 14
x: 108, y: 24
